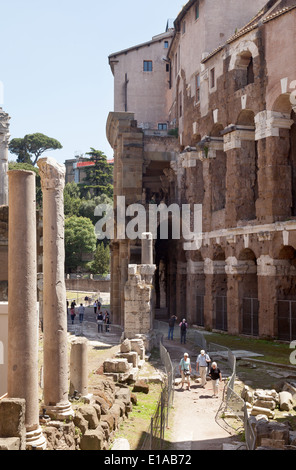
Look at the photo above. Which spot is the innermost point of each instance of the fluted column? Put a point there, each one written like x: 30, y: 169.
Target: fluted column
x: 54, y: 291
x: 22, y: 302
x: 4, y: 138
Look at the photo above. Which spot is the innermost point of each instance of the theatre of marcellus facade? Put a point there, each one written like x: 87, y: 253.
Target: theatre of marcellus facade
x: 205, y: 114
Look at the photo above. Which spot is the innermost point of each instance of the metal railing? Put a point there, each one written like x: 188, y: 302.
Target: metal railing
x: 154, y: 439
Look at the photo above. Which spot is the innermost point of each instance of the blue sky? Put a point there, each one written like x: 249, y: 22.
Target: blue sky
x: 54, y: 64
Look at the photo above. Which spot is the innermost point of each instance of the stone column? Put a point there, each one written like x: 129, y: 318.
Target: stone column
x: 147, y: 248
x: 22, y: 302
x: 4, y: 138
x: 54, y: 291
x: 274, y: 169
x: 239, y: 144
x: 79, y: 367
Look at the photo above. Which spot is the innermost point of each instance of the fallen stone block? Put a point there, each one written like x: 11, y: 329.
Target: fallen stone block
x: 261, y: 403
x: 286, y: 401
x: 125, y: 346
x: 10, y: 443
x: 89, y: 413
x: 256, y: 410
x: 12, y: 419
x: 141, y: 387
x: 93, y: 439
x: 121, y: 444
x: 80, y: 422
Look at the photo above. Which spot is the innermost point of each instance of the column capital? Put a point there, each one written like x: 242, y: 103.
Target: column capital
x: 234, y: 135
x: 269, y: 123
x: 52, y: 174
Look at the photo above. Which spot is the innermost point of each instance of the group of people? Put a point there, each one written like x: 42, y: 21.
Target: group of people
x: 203, y: 367
x: 183, y: 328
x: 103, y: 318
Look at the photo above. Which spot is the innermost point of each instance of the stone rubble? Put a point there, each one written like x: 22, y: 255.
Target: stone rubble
x: 262, y: 406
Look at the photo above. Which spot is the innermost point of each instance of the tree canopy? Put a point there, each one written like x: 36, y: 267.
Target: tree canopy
x: 80, y: 240
x: 29, y: 148
x: 99, y: 177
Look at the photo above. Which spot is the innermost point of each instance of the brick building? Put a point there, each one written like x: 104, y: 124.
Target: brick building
x: 230, y: 95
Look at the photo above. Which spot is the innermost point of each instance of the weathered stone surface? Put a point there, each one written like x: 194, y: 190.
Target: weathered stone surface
x: 286, y: 401
x: 80, y: 422
x: 141, y: 387
x: 12, y: 419
x: 256, y: 410
x: 93, y: 439
x: 121, y: 444
x: 10, y: 443
x: 89, y: 413
x: 125, y: 346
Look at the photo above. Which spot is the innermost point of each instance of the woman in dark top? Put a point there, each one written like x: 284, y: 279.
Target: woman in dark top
x: 216, y: 377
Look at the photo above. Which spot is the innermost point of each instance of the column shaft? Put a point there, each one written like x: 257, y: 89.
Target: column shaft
x: 22, y: 300
x: 54, y: 291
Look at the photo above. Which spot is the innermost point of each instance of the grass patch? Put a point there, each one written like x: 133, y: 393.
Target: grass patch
x: 137, y: 425
x: 272, y: 351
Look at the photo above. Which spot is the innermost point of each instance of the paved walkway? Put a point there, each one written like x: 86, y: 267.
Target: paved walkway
x: 193, y: 420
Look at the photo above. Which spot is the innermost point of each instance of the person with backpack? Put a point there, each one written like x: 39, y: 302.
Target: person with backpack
x: 172, y: 322
x: 183, y: 330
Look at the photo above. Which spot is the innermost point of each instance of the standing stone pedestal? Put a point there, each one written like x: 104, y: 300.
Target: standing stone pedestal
x: 22, y: 302
x: 79, y: 367
x: 54, y: 291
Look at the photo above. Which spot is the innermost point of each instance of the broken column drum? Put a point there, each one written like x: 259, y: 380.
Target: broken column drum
x: 22, y: 302
x: 54, y: 291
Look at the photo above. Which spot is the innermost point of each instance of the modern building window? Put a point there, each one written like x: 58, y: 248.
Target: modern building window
x: 166, y: 44
x: 212, y: 78
x: 184, y: 27
x: 162, y: 126
x: 148, y: 66
x: 197, y: 10
x: 197, y: 88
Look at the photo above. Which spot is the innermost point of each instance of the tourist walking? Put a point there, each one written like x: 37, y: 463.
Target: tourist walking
x: 216, y: 377
x: 183, y: 331
x: 81, y: 311
x: 72, y: 312
x: 172, y: 322
x: 202, y: 362
x: 185, y: 370
x: 100, y: 321
x: 95, y: 307
x: 107, y: 321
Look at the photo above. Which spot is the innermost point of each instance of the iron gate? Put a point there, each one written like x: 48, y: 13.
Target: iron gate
x: 250, y: 316
x: 200, y: 321
x: 221, y: 313
x: 287, y: 320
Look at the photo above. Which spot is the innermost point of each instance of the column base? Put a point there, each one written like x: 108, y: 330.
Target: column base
x: 60, y: 412
x: 35, y: 440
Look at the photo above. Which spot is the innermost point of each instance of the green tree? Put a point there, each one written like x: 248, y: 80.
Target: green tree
x: 80, y: 240
x: 87, y: 206
x: 99, y: 177
x: 72, y: 199
x: 32, y: 146
x: 101, y: 262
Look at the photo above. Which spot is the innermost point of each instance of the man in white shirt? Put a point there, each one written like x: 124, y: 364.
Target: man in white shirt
x: 202, y: 366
